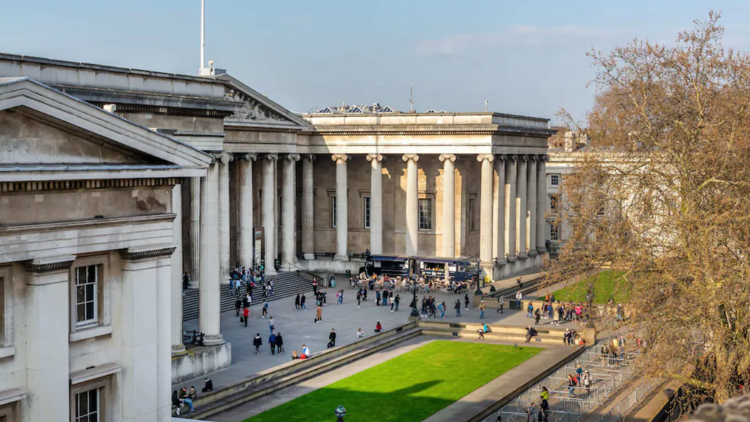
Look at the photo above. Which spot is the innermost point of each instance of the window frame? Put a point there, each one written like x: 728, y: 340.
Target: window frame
x: 103, y: 317
x: 554, y: 199
x: 554, y: 232
x: 554, y: 179
x: 366, y: 214
x: 431, y: 209
x: 6, y: 284
x: 333, y: 211
x: 470, y: 211
x: 9, y: 411
x: 92, y: 320
x: 103, y: 386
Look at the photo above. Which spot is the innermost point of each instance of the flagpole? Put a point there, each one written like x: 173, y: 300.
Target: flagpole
x: 203, y: 31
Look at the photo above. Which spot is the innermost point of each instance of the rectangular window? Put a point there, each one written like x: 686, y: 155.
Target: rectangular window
x: 471, y: 214
x: 554, y: 202
x: 554, y: 180
x: 333, y: 212
x: 366, y: 206
x: 425, y: 214
x: 2, y: 313
x: 554, y: 232
x: 86, y: 295
x: 87, y: 408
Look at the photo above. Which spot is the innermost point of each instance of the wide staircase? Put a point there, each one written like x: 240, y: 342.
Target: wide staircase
x: 285, y: 284
x: 502, y: 333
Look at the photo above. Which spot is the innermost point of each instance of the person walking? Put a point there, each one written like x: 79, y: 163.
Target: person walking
x: 257, y: 342
x: 185, y: 281
x: 537, y: 315
x: 481, y: 309
x: 519, y: 296
x: 296, y: 302
x: 272, y: 342
x: 457, y: 307
x: 237, y: 306
x: 332, y: 338
x: 279, y: 343
x: 466, y: 301
x: 442, y: 310
x: 271, y: 324
x: 501, y: 303
x: 302, y: 302
x: 377, y: 297
x: 319, y: 314
x: 359, y: 298
x: 265, y: 309
x: 397, y: 300
x: 571, y: 386
x: 246, y: 315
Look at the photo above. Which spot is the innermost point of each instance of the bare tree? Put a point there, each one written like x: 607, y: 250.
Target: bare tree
x: 664, y: 195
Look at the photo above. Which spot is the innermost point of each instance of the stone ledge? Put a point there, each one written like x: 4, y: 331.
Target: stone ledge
x: 93, y: 332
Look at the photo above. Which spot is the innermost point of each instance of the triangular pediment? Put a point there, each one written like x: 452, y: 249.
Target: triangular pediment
x: 42, y: 126
x: 254, y: 108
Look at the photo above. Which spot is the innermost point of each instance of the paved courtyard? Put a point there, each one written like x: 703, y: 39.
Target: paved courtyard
x: 298, y: 327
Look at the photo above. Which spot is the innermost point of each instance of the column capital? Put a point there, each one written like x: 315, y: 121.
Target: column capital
x: 523, y: 157
x: 224, y: 157
x: 248, y: 157
x: 310, y: 157
x: 292, y: 157
x: 543, y: 157
x: 447, y: 157
x: 49, y: 265
x: 485, y: 157
x: 511, y: 157
x: 532, y: 157
x: 271, y: 157
x: 147, y: 252
x: 410, y: 157
x: 376, y: 157
x: 339, y: 158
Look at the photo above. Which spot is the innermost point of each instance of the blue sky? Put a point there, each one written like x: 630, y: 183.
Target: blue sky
x: 524, y: 57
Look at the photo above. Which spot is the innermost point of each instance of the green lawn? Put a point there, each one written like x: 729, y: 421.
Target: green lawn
x: 606, y: 286
x: 407, y: 388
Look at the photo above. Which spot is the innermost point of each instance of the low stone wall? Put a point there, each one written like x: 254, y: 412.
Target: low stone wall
x: 200, y: 361
x: 330, y: 266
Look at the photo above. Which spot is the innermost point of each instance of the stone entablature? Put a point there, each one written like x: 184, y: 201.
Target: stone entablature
x: 383, y: 120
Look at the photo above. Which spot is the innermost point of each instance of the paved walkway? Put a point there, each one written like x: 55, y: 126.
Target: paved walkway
x: 298, y: 327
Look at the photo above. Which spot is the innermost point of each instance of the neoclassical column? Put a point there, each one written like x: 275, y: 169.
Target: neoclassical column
x: 308, y: 207
x: 288, y: 229
x: 247, y: 231
x: 164, y: 347
x: 146, y: 357
x: 521, y: 197
x: 209, y: 294
x: 449, y: 205
x: 47, y: 358
x: 269, y: 200
x: 531, y: 201
x: 510, y: 207
x: 195, y: 231
x: 376, y: 203
x: 342, y: 209
x: 485, y: 218
x: 177, y: 348
x: 224, y: 240
x: 412, y: 207
x: 541, y: 204
x: 498, y: 211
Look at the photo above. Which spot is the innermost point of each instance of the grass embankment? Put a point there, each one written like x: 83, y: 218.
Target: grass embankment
x: 606, y: 286
x: 409, y: 387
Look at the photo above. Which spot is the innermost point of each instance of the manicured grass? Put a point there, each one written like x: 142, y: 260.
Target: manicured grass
x: 606, y: 286
x: 407, y: 388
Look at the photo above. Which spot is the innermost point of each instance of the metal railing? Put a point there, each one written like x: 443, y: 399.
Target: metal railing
x: 624, y: 406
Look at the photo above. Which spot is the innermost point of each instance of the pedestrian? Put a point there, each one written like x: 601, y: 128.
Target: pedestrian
x: 302, y: 302
x: 466, y: 301
x: 272, y: 342
x: 481, y: 309
x: 271, y: 324
x: 397, y: 300
x: 237, y: 306
x: 332, y: 338
x: 530, y: 413
x: 442, y: 310
x: 519, y: 296
x: 296, y: 302
x: 265, y: 309
x: 359, y: 298
x: 319, y: 314
x: 279, y: 344
x: 501, y: 303
x: 257, y: 342
x: 587, y: 382
x: 246, y: 315
x: 457, y: 307
x: 377, y: 298
x: 537, y: 315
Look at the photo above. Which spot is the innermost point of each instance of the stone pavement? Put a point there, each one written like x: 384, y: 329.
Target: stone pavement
x: 298, y: 327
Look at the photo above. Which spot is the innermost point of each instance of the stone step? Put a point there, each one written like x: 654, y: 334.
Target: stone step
x: 506, y: 337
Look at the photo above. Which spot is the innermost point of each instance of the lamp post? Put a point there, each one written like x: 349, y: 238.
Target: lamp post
x: 414, y: 312
x: 340, y: 412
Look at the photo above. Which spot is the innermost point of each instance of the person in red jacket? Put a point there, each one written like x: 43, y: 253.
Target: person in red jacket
x: 246, y: 314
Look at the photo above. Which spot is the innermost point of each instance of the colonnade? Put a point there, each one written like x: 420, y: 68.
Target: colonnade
x: 512, y: 223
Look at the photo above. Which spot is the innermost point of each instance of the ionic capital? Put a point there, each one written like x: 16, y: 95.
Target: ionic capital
x: 511, y: 157
x: 376, y: 157
x: 447, y: 157
x: 410, y: 157
x: 292, y: 157
x: 523, y: 157
x: 310, y: 157
x: 485, y: 157
x: 224, y: 158
x: 340, y: 158
x: 271, y: 157
x: 248, y: 157
x: 544, y: 157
